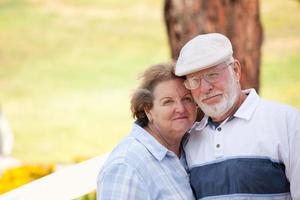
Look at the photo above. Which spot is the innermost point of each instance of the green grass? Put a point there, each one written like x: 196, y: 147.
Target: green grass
x: 281, y: 51
x: 68, y: 67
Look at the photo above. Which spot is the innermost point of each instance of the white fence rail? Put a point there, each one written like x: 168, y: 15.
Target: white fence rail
x: 68, y: 183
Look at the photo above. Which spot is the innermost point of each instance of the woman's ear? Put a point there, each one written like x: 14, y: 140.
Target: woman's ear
x: 148, y: 114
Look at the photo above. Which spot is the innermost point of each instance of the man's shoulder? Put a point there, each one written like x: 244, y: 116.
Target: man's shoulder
x: 278, y: 107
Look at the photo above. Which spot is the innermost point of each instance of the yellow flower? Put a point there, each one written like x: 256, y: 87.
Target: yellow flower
x: 17, y: 176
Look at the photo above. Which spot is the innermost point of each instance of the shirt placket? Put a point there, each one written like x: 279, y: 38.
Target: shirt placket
x: 218, y: 142
x: 179, y: 173
x: 177, y: 164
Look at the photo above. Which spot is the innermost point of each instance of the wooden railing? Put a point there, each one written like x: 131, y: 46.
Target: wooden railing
x: 68, y: 183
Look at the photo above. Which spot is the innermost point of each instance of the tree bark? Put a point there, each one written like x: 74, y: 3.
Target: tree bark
x: 239, y: 20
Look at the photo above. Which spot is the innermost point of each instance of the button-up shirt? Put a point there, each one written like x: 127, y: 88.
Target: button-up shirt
x: 142, y: 168
x: 254, y: 154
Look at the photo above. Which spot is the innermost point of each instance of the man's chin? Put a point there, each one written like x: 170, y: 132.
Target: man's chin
x: 213, y: 111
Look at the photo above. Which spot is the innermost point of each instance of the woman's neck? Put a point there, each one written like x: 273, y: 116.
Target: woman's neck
x: 173, y: 145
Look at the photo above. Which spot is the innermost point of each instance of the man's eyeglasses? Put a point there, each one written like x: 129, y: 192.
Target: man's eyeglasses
x: 210, y: 77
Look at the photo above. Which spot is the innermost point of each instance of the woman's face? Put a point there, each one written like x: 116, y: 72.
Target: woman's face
x: 173, y: 111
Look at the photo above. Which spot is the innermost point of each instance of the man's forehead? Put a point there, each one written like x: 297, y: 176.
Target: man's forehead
x: 212, y: 68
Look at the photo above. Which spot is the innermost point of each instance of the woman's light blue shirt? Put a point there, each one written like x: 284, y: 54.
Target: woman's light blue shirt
x: 141, y: 168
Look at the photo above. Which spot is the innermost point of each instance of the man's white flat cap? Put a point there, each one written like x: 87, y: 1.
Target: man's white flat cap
x: 202, y: 52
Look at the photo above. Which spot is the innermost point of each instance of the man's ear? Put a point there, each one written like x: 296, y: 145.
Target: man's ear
x: 237, y: 69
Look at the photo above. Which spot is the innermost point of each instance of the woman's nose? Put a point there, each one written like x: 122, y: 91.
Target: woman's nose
x: 180, y: 107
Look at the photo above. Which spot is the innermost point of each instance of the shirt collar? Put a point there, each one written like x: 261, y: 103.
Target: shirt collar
x: 248, y: 107
x: 200, y: 125
x: 153, y: 146
x: 245, y: 111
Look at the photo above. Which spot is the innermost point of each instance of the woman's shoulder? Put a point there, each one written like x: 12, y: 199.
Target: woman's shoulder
x: 129, y: 152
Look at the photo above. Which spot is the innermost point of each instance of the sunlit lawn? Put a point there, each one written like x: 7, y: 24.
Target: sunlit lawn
x: 68, y: 67
x: 281, y: 51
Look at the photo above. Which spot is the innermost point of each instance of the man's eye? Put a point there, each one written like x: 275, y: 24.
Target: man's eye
x: 213, y: 75
x: 194, y: 81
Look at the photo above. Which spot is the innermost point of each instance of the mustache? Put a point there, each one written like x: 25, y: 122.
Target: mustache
x: 209, y: 95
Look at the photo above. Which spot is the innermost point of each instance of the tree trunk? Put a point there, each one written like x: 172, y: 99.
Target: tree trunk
x: 237, y: 19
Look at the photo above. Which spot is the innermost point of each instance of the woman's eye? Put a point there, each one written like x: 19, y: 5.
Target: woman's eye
x: 167, y: 102
x: 187, y: 99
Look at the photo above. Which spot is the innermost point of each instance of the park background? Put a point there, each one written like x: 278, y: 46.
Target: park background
x: 68, y: 68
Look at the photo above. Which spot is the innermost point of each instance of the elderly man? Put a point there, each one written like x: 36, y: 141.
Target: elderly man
x: 244, y: 147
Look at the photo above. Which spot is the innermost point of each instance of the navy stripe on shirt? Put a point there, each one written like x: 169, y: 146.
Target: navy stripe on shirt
x: 239, y: 176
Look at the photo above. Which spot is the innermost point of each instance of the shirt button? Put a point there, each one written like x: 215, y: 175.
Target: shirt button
x: 218, y: 145
x: 219, y: 128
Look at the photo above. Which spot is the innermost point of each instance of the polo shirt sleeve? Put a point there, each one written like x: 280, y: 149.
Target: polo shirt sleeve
x: 120, y: 181
x: 294, y: 157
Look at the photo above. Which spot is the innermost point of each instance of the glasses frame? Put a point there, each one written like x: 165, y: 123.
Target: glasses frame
x: 210, y: 77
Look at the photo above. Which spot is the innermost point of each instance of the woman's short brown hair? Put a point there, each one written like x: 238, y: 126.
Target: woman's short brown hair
x: 142, y: 98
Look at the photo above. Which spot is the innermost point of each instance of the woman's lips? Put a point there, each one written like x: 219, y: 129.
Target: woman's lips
x: 180, y: 118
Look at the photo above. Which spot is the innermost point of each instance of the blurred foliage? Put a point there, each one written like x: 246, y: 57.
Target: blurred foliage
x: 90, y: 196
x: 17, y: 176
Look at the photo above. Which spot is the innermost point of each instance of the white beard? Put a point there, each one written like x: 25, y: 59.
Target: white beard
x: 229, y: 97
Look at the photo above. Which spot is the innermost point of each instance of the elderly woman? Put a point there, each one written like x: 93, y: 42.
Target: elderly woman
x: 149, y: 163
